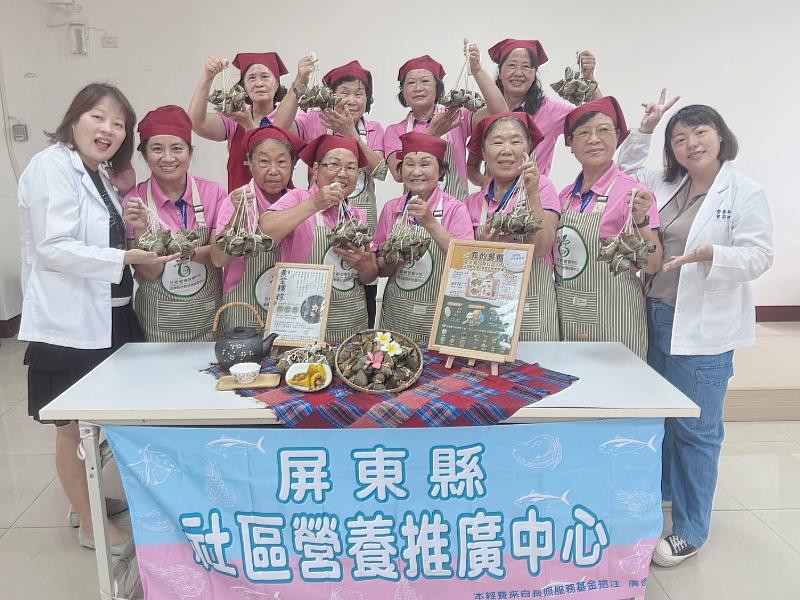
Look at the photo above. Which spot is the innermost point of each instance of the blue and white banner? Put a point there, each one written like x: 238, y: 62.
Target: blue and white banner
x: 475, y: 513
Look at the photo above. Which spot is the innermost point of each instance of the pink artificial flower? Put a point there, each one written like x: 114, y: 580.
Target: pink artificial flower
x: 374, y: 360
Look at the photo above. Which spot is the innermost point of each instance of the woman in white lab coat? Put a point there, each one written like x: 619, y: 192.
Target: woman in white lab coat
x: 716, y: 231
x: 76, y: 279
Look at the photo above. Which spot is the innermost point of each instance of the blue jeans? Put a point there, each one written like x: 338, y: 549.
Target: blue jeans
x: 691, y: 445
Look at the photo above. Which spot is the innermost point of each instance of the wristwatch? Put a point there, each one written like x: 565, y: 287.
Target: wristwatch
x: 644, y: 223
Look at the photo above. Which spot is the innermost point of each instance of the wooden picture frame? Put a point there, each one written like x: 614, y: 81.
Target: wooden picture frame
x: 470, y: 295
x: 288, y: 315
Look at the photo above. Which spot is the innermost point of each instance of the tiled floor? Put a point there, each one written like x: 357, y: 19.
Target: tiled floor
x: 753, y: 553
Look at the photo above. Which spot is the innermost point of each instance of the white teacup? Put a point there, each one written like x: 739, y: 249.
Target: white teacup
x: 245, y: 372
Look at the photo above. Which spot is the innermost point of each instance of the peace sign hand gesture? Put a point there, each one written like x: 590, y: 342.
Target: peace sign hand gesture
x: 653, y: 111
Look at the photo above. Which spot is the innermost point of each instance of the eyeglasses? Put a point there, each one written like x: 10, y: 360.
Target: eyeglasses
x: 584, y: 133
x: 336, y: 167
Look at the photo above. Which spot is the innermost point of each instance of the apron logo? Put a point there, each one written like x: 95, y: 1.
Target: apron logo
x: 414, y: 275
x: 344, y: 276
x: 563, y: 245
x: 573, y: 253
x: 184, y: 279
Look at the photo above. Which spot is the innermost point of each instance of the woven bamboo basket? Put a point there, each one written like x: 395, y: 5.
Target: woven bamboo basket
x: 398, y: 337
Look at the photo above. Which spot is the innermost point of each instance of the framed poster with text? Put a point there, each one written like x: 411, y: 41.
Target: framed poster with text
x: 481, y: 298
x: 299, y: 302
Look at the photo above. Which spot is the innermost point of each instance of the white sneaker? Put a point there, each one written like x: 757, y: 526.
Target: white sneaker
x: 672, y: 550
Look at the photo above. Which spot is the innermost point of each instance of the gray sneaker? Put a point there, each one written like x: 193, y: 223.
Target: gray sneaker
x: 672, y: 550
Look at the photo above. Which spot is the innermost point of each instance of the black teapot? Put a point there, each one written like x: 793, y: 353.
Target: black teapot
x: 241, y: 344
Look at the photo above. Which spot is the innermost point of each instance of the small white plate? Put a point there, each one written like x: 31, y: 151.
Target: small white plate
x: 303, y: 367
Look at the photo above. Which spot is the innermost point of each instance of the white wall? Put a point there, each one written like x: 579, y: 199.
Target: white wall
x: 734, y: 55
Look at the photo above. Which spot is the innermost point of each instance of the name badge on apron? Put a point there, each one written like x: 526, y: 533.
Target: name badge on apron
x: 184, y: 278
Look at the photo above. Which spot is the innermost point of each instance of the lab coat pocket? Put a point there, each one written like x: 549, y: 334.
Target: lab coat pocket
x: 576, y: 306
x: 63, y: 308
x: 721, y: 313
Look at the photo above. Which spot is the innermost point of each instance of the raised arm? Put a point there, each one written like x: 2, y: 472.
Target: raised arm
x: 495, y: 102
x: 287, y: 109
x: 633, y: 152
x: 206, y: 124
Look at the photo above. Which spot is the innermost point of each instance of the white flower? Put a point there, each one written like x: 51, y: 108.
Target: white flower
x: 392, y: 348
x: 383, y: 337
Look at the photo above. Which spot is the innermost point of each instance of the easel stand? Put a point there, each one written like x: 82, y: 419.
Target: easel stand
x: 472, y: 358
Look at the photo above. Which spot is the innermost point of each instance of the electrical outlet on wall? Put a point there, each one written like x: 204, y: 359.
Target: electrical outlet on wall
x: 109, y: 41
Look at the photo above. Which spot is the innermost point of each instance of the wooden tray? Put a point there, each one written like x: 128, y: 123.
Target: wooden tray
x: 264, y: 380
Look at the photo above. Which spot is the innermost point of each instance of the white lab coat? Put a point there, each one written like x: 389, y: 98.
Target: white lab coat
x: 715, y: 311
x: 67, y: 264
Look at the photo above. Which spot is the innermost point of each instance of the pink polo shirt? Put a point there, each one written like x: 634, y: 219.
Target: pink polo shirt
x: 455, y: 217
x: 310, y: 126
x: 457, y: 137
x: 616, y: 212
x: 550, y: 120
x: 296, y: 247
x: 231, y: 125
x: 212, y: 196
x: 233, y: 273
x: 548, y: 196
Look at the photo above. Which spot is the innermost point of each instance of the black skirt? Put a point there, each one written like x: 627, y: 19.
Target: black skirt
x: 54, y: 369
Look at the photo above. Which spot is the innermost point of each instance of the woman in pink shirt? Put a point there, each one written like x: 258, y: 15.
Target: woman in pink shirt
x: 272, y: 155
x: 518, y: 63
x: 409, y: 300
x: 594, y: 304
x: 504, y: 142
x: 302, y: 219
x: 176, y: 301
x: 353, y: 84
x: 421, y: 88
x: 260, y: 78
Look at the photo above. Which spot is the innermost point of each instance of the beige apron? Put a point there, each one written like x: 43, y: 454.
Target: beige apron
x: 539, y: 315
x: 593, y: 304
x: 410, y: 297
x: 179, y: 306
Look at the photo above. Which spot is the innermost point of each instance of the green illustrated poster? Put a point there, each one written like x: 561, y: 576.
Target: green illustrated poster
x: 481, y: 296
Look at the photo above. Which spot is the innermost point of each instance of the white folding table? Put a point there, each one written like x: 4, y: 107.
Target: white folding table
x: 162, y: 384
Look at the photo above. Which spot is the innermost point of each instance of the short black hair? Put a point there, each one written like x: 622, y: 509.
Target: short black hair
x: 692, y: 116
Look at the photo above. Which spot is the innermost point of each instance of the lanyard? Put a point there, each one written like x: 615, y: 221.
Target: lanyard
x: 438, y: 212
x: 405, y: 205
x: 586, y: 197
x: 506, y: 197
x: 180, y: 204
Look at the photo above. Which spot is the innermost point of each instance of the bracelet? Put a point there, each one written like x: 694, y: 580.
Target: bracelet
x: 644, y: 223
